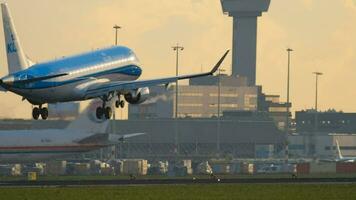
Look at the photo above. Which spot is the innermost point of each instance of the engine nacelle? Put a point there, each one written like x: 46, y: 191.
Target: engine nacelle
x: 137, y: 96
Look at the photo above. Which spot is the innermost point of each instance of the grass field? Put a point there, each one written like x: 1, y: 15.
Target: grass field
x: 186, y: 192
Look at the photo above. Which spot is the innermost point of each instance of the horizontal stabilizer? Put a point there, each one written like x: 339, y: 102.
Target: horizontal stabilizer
x: 2, y: 89
x: 87, y: 120
x: 113, y: 138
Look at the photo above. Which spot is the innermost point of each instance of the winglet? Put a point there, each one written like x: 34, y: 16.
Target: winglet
x: 216, y: 67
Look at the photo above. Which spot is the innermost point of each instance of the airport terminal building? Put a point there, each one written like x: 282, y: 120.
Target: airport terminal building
x: 316, y: 134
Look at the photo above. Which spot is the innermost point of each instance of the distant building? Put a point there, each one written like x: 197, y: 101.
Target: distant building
x: 324, y: 146
x: 225, y: 80
x: 276, y: 109
x: 252, y: 123
x: 200, y: 100
x: 196, y: 102
x: 197, y: 138
x: 328, y: 122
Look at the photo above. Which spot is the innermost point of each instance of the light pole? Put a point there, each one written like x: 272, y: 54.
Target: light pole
x: 317, y: 74
x: 116, y: 27
x: 219, y: 102
x: 289, y: 50
x: 316, y: 121
x: 177, y: 48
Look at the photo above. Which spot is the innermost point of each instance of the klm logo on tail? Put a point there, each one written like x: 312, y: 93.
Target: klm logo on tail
x: 11, y: 47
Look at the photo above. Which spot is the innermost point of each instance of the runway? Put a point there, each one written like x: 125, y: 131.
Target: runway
x: 177, y: 182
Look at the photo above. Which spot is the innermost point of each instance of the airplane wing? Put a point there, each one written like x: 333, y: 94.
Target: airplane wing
x: 98, y: 90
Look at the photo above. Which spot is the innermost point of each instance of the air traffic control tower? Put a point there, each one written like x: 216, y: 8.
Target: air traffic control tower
x: 244, y: 13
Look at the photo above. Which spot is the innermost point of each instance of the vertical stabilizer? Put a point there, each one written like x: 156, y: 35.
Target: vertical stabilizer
x: 87, y: 120
x: 16, y: 58
x: 338, y: 150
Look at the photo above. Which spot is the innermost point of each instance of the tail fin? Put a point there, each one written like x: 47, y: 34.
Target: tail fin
x: 338, y: 150
x: 16, y: 57
x: 87, y: 120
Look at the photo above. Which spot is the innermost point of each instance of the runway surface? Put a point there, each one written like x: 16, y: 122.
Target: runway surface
x: 177, y: 181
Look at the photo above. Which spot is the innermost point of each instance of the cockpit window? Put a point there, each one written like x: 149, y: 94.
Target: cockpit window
x: 133, y: 55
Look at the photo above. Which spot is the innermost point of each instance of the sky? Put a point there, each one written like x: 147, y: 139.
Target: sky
x: 321, y: 32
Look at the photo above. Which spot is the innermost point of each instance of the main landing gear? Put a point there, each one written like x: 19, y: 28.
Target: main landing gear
x: 119, y: 103
x: 106, y: 112
x: 103, y: 112
x: 39, y: 111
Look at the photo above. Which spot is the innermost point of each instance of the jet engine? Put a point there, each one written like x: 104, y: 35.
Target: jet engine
x: 137, y: 96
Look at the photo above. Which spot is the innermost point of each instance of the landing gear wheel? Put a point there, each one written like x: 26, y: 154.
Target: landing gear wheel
x: 44, y: 113
x: 99, y: 113
x: 108, y: 113
x: 122, y: 104
x: 119, y: 104
x: 35, y: 113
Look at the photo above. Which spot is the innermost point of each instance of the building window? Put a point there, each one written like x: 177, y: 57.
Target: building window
x: 191, y: 94
x: 278, y: 109
x: 229, y: 105
x: 223, y: 95
x: 190, y: 105
x: 190, y: 115
x: 223, y: 105
x: 250, y: 99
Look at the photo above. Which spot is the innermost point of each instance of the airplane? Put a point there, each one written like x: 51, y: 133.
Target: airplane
x: 340, y: 157
x: 83, y: 135
x: 106, y: 74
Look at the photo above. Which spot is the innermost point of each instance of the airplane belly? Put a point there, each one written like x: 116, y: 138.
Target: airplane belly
x: 57, y: 94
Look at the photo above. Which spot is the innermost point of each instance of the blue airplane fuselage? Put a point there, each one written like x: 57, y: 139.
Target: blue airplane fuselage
x: 73, y: 76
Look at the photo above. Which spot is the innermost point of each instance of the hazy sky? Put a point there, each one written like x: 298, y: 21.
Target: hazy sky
x: 322, y: 33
